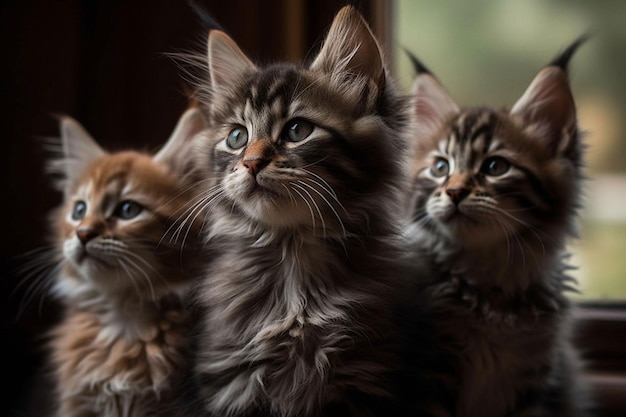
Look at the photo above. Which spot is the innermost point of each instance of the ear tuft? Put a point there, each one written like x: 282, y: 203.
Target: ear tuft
x: 563, y: 59
x: 418, y: 65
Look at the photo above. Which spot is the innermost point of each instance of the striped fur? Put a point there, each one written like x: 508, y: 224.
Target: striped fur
x: 124, y: 330
x: 494, y: 199
x: 297, y: 303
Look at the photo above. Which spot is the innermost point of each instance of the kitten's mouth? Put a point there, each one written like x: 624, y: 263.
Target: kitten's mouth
x: 258, y: 190
x: 87, y: 256
x: 262, y: 190
x: 457, y: 216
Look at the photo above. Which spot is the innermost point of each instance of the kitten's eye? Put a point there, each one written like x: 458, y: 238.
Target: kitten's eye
x: 440, y: 168
x: 495, y: 166
x: 297, y: 130
x: 79, y: 211
x: 128, y: 210
x: 237, y: 138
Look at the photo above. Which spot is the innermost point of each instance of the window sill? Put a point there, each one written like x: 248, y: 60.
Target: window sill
x: 601, y: 338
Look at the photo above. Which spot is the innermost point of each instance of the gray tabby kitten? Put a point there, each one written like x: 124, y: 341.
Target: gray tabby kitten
x: 297, y: 301
x: 495, y: 194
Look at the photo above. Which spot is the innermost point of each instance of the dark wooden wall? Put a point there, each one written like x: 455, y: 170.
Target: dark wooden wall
x: 104, y: 63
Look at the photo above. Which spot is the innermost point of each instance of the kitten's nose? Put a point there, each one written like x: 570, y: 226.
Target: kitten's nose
x: 257, y: 155
x: 85, y: 234
x: 457, y: 194
x: 255, y: 165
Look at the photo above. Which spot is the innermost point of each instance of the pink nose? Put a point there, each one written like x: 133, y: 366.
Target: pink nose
x: 255, y: 165
x: 457, y: 194
x: 85, y: 234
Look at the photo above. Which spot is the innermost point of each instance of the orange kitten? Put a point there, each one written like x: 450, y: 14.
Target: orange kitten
x: 123, y: 272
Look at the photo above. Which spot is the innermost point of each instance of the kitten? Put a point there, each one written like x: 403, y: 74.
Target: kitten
x: 309, y: 162
x: 123, y: 271
x: 494, y: 200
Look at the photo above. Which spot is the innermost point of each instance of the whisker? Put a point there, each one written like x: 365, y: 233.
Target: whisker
x: 312, y: 164
x: 289, y: 194
x: 193, y: 220
x: 526, y: 225
x: 36, y: 274
x: 130, y: 275
x: 308, y: 205
x: 329, y: 205
x: 199, y: 209
x: 509, y: 231
x: 316, y: 208
x: 202, y: 199
x: 145, y: 275
x: 128, y: 253
x: 329, y: 190
x: 38, y: 285
x: 332, y: 192
x: 182, y: 192
x: 421, y: 220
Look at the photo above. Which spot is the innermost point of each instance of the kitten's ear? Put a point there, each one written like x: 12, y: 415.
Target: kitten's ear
x: 227, y: 63
x: 351, y: 48
x: 175, y: 152
x: 548, y: 103
x: 80, y: 150
x: 549, y: 106
x: 432, y: 105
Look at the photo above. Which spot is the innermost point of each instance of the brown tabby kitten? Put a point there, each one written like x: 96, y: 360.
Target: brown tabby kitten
x: 124, y: 330
x: 494, y: 201
x: 297, y: 302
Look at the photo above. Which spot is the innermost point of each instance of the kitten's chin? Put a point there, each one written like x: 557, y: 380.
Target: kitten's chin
x: 277, y: 203
x: 471, y: 232
x: 265, y: 202
x: 272, y: 211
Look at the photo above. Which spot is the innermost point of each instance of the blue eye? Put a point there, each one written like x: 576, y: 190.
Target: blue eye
x: 237, y: 138
x: 495, y: 166
x: 79, y: 211
x: 128, y: 210
x: 297, y: 130
x: 440, y: 168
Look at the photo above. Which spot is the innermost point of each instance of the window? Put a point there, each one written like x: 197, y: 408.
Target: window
x: 487, y: 53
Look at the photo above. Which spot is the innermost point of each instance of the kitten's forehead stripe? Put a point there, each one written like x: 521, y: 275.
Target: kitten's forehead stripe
x: 475, y: 123
x: 270, y: 94
x: 272, y: 85
x: 471, y: 136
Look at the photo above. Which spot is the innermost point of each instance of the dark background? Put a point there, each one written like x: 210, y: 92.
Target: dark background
x: 103, y: 63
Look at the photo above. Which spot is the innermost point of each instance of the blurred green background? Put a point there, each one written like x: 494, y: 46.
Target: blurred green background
x: 486, y: 53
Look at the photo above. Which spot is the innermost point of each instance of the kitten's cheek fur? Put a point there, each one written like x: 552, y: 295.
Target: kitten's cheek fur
x: 238, y: 184
x: 73, y: 251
